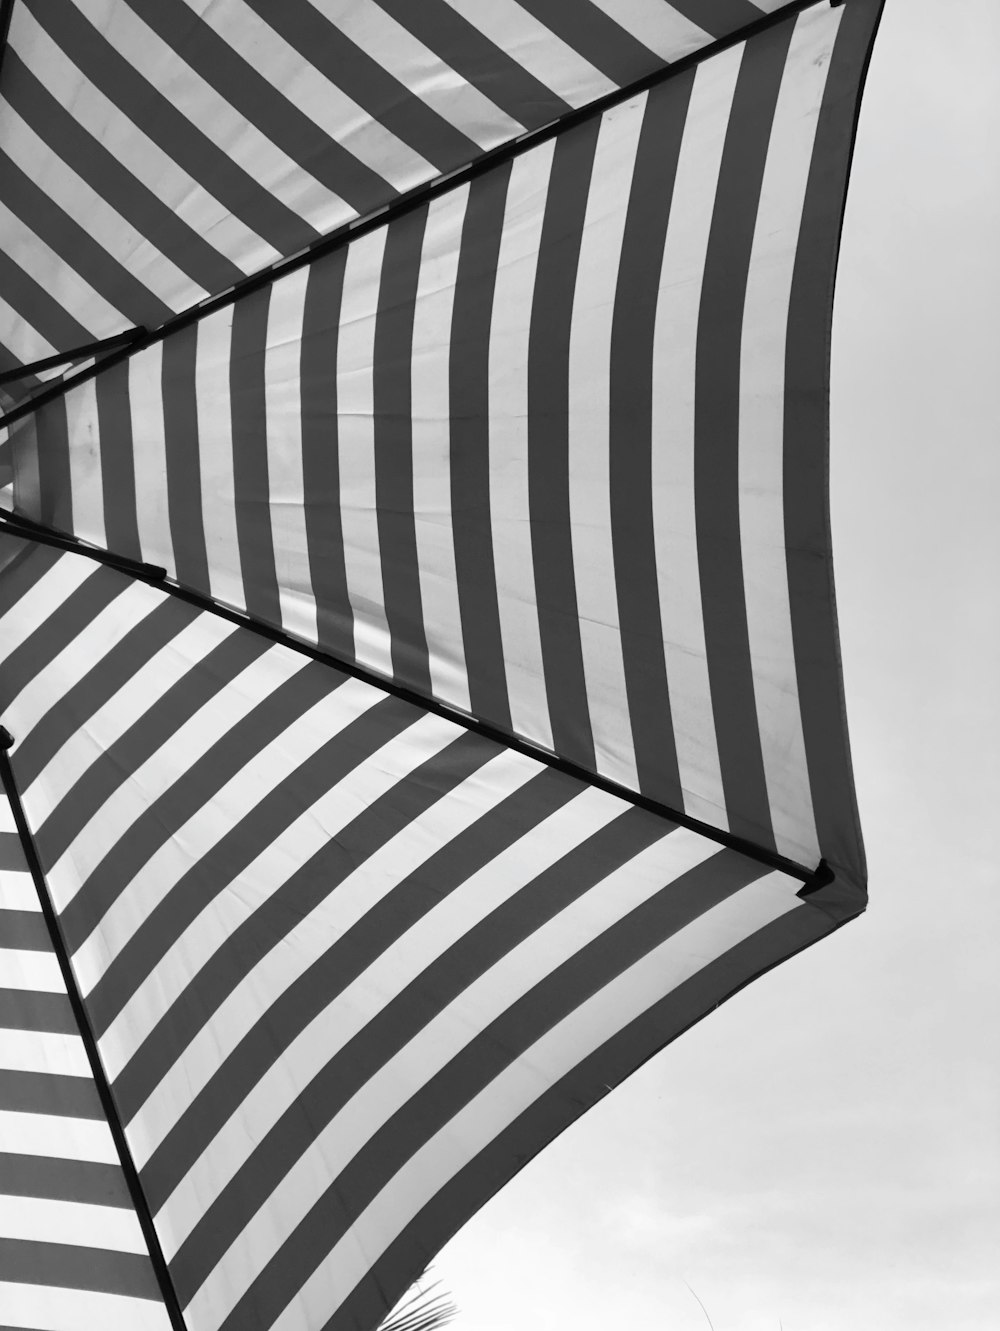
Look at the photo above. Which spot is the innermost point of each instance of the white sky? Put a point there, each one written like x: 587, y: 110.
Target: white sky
x: 823, y: 1153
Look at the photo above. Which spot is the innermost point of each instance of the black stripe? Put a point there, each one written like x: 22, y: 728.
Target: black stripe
x: 806, y: 461
x: 169, y: 812
x: 548, y: 443
x: 469, y: 352
x: 33, y: 1010
x: 102, y: 171
x: 451, y: 866
x: 39, y: 307
x: 74, y: 615
x: 393, y: 426
x: 276, y: 116
x: 181, y: 442
x: 250, y: 471
x: 155, y: 115
x: 347, y: 956
x: 556, y: 1108
x: 63, y: 1180
x: 387, y: 101
x: 717, y: 431
x: 94, y: 688
x: 718, y: 17
x: 320, y: 455
x: 24, y: 930
x: 461, y: 46
x: 71, y: 1267
x: 596, y: 37
x: 49, y: 1093
x: 21, y: 572
x: 114, y: 436
x: 221, y: 866
x: 79, y: 251
x: 11, y: 853
x: 631, y: 442
x: 54, y: 504
x: 118, y: 763
x: 505, y: 1039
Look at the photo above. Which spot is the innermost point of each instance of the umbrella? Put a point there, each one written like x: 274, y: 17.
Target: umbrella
x: 418, y: 662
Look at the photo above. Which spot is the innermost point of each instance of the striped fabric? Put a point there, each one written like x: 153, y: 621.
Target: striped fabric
x: 72, y: 1253
x: 154, y: 152
x: 349, y: 963
x: 550, y: 448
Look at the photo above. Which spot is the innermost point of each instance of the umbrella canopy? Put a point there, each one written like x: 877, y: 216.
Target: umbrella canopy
x: 418, y: 651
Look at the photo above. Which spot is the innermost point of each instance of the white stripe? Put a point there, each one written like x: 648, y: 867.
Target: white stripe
x: 323, y: 102
x: 136, y: 152
x: 762, y: 443
x: 17, y: 891
x: 86, y: 475
x: 63, y: 283
x: 508, y: 448
x: 50, y: 1308
x: 24, y: 341
x: 675, y: 344
x: 44, y: 1220
x: 431, y: 412
x: 192, y: 842
x: 30, y: 971
x: 220, y: 122
x: 658, y: 26
x: 175, y: 757
x: 227, y: 912
x: 536, y: 49
x: 215, y: 453
x: 43, y: 1051
x: 283, y: 397
x: 117, y: 236
x: 37, y: 605
x: 93, y: 738
x: 8, y: 823
x: 561, y: 1049
x: 359, y: 893
x: 425, y: 75
x: 356, y: 449
x: 57, y: 1138
x: 399, y: 964
x: 149, y: 449
x: 589, y: 442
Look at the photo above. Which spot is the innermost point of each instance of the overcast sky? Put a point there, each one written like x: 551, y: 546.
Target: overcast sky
x: 823, y: 1153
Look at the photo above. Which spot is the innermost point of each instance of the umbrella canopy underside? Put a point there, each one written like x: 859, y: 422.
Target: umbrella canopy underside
x: 418, y: 649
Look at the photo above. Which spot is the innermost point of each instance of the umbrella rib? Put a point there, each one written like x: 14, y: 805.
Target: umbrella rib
x: 125, y: 339
x: 404, y: 203
x: 812, y: 879
x: 86, y: 1031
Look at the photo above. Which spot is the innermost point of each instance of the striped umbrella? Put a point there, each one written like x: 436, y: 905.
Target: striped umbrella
x: 418, y: 659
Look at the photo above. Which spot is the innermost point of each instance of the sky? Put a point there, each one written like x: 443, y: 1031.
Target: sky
x: 823, y: 1153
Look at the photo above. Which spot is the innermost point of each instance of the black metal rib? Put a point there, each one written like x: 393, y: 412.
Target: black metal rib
x: 405, y: 203
x: 125, y: 339
x: 813, y: 879
x: 6, y: 10
x: 142, y: 1210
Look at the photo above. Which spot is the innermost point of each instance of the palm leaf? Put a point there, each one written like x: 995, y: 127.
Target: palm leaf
x: 421, y: 1310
